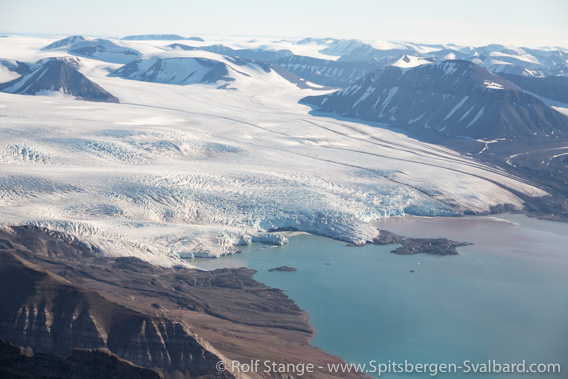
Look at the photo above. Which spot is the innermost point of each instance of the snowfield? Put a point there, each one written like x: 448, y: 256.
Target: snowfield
x: 194, y: 170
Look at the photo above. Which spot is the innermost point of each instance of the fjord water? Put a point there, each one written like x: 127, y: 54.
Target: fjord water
x: 505, y: 298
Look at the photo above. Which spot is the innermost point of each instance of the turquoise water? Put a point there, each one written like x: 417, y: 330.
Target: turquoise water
x: 504, y: 298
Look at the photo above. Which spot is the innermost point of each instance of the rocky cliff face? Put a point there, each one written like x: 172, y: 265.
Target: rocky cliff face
x: 52, y: 315
x: 82, y: 363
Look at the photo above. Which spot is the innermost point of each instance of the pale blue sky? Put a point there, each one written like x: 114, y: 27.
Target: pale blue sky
x: 473, y: 22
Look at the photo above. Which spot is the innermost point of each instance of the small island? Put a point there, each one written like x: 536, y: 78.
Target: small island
x: 432, y: 246
x: 283, y: 268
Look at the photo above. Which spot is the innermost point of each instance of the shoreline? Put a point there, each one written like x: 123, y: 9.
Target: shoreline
x: 227, y: 312
x: 206, y: 323
x: 499, y: 268
x: 289, y: 233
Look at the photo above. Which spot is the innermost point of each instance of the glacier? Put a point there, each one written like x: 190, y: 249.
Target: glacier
x: 175, y: 171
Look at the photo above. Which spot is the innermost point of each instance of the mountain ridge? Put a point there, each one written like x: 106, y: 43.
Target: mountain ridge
x: 454, y: 97
x: 58, y: 293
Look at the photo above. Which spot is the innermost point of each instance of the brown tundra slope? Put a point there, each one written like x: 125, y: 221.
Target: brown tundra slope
x: 58, y: 294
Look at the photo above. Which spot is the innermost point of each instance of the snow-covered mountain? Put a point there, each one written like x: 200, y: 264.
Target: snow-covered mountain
x: 64, y: 42
x: 407, y: 61
x: 253, y: 54
x: 58, y: 75
x: 457, y: 98
x: 327, y: 72
x: 100, y: 49
x: 104, y: 50
x: 497, y: 58
x: 368, y: 53
x: 341, y: 48
x: 522, y: 70
x: 176, y: 71
x: 224, y: 72
x: 319, y: 41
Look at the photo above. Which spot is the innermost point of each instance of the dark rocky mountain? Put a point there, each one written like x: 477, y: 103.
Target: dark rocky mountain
x: 253, y: 54
x: 64, y: 42
x: 51, y: 315
x: 455, y: 97
x: 58, y: 74
x: 58, y: 293
x: 82, y: 363
x: 327, y: 72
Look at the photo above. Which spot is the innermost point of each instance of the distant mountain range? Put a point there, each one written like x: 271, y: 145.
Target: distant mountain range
x: 222, y: 71
x: 455, y: 97
x: 160, y: 37
x: 549, y: 61
x: 540, y: 62
x: 254, y: 54
x: 404, y: 84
